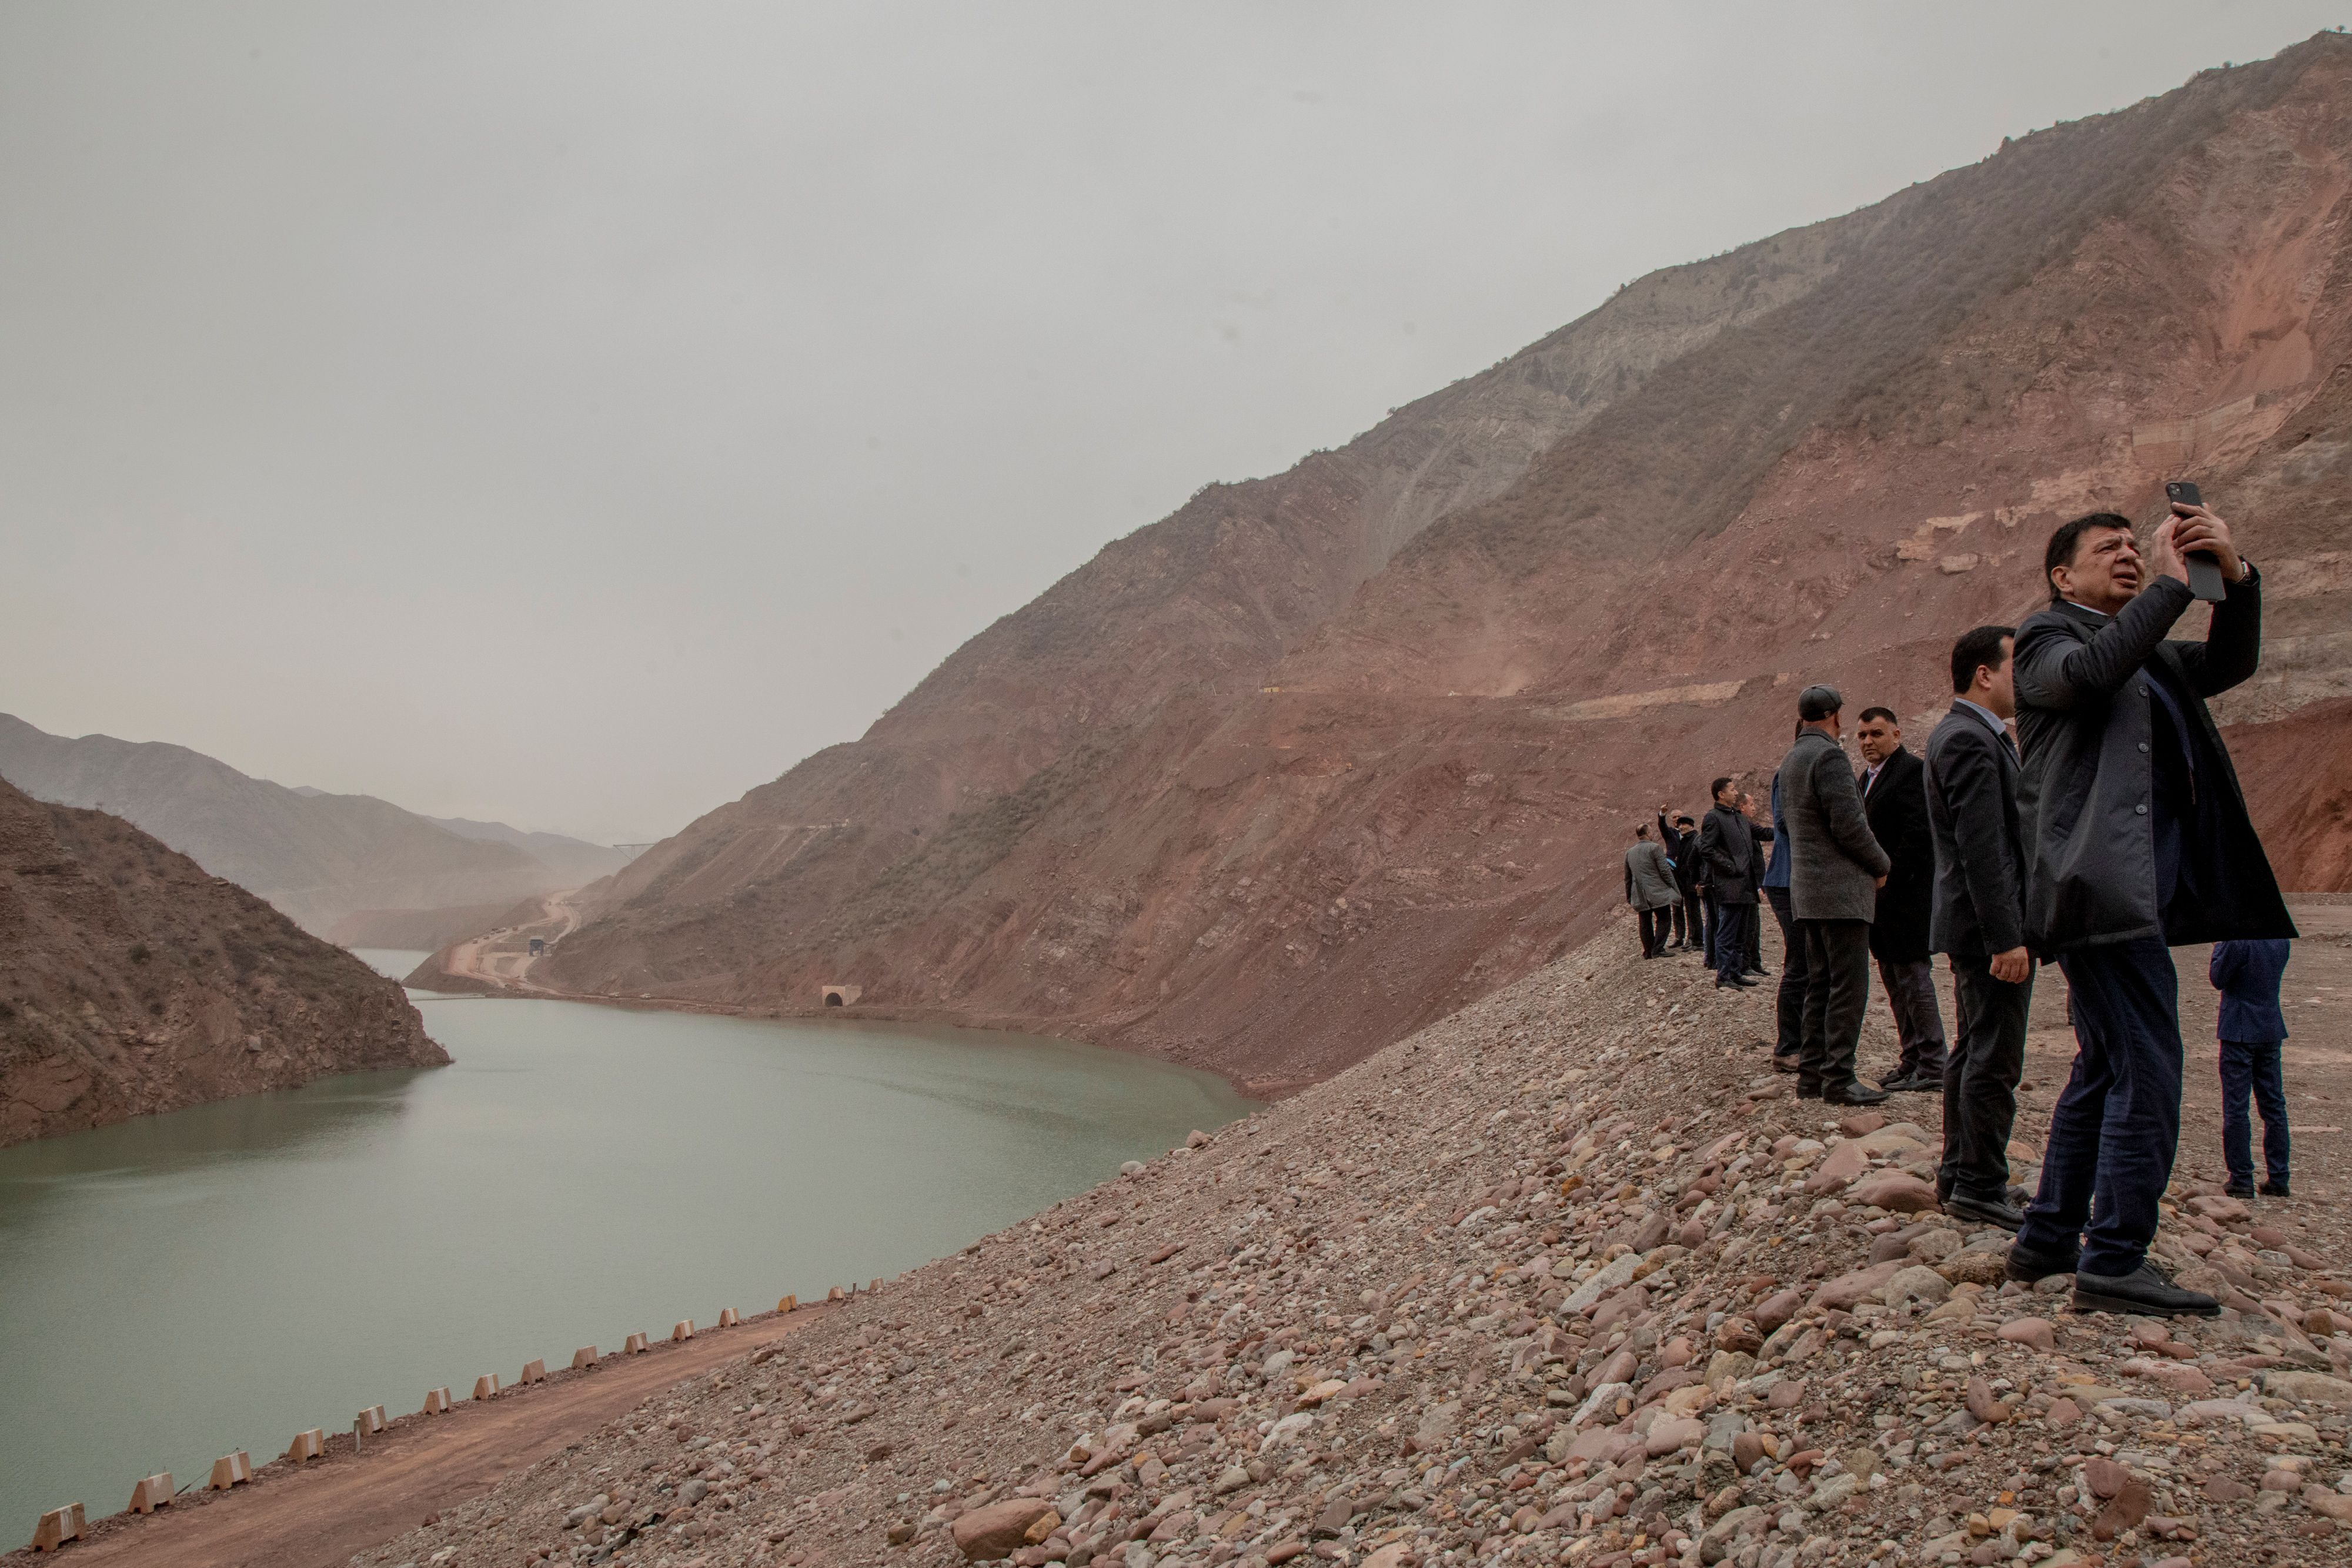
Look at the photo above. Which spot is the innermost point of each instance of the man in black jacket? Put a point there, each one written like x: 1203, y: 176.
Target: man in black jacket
x: 1680, y: 840
x: 2136, y: 838
x: 1895, y: 798
x: 1979, y: 921
x: 1726, y: 856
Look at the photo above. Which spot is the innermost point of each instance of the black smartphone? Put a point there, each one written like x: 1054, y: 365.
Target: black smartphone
x: 2204, y: 571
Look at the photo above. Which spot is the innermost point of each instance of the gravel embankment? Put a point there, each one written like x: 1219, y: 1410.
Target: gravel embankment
x: 1568, y: 1277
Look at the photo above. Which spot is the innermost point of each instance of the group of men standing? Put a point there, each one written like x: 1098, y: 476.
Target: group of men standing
x: 2117, y: 832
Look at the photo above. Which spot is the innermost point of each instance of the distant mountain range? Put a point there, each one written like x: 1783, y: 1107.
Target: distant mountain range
x: 334, y: 863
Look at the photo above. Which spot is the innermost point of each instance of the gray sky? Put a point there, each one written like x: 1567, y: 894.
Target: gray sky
x: 577, y: 414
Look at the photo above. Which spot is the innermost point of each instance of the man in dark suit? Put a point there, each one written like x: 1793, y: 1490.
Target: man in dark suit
x: 1895, y: 798
x: 1679, y: 837
x: 1979, y: 921
x: 1835, y: 869
x: 1727, y: 858
x: 2136, y: 840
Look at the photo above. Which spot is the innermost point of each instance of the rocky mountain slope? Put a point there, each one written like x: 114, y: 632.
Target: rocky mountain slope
x: 132, y: 981
x: 1567, y: 1277
x: 316, y: 856
x: 1322, y: 757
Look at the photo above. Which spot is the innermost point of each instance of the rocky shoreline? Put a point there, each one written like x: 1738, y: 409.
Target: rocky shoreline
x: 1567, y: 1277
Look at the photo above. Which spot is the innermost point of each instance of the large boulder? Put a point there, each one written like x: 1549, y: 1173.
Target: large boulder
x: 999, y: 1529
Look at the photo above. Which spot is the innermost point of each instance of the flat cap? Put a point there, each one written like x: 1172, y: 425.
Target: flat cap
x: 1817, y: 702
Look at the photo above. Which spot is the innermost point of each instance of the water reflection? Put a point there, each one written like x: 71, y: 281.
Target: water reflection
x: 222, y: 1277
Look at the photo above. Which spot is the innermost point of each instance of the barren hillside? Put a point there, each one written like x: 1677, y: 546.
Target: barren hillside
x: 1565, y: 1278
x: 133, y: 982
x: 1324, y: 757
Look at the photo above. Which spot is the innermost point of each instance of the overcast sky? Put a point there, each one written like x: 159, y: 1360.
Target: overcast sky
x: 577, y: 414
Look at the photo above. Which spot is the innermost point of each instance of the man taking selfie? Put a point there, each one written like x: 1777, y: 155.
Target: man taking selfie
x: 2136, y: 840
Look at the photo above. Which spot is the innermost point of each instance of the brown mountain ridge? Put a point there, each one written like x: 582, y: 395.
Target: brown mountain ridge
x: 1323, y: 757
x: 133, y: 982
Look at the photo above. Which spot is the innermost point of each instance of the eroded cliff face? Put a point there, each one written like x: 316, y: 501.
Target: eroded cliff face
x: 1325, y: 757
x: 133, y: 982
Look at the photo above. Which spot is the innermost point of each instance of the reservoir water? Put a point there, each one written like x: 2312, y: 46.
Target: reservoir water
x: 181, y: 1286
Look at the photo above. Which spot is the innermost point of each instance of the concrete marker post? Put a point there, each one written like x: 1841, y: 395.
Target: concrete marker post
x: 787, y: 1304
x: 59, y: 1526
x: 533, y: 1372
x: 583, y: 1358
x: 437, y: 1402
x: 308, y: 1445
x: 230, y: 1470
x: 487, y: 1385
x: 683, y: 1331
x: 155, y: 1491
x: 636, y: 1345
x: 728, y: 1318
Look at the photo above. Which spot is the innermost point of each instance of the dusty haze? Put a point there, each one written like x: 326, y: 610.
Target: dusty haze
x: 574, y: 415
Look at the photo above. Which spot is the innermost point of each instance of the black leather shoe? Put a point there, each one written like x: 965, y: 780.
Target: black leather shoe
x: 1742, y: 981
x: 2239, y: 1189
x: 1805, y: 1093
x: 1855, y: 1093
x: 1984, y: 1212
x: 1783, y: 1063
x: 2273, y: 1190
x: 2143, y: 1293
x: 1911, y: 1083
x: 2025, y: 1267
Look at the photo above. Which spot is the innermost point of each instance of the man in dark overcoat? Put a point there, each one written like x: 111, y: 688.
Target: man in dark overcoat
x: 2136, y: 840
x: 1895, y: 799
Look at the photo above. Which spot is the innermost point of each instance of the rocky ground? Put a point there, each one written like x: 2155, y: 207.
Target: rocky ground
x: 1567, y: 1277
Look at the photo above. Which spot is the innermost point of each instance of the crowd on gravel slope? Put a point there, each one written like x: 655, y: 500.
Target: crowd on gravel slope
x: 1569, y: 1277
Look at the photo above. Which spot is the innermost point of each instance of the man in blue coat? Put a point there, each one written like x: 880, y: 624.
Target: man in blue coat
x: 2136, y: 840
x: 2253, y: 1027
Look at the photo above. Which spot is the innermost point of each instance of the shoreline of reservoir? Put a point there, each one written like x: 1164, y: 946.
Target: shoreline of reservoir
x: 578, y: 1173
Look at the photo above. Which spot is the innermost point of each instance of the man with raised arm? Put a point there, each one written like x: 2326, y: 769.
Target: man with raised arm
x: 2136, y: 840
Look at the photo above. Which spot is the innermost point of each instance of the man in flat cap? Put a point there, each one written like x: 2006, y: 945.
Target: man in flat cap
x: 1835, y: 870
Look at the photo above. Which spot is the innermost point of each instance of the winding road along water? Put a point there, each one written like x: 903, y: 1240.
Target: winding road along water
x: 177, y: 1287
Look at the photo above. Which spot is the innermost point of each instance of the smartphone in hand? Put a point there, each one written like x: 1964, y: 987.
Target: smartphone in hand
x: 2204, y: 571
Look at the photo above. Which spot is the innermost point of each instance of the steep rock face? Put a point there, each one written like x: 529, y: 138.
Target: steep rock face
x: 318, y: 857
x: 1207, y: 598
x: 1273, y: 868
x: 133, y: 982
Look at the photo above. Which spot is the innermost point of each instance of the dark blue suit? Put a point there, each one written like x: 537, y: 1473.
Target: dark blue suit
x: 2247, y: 974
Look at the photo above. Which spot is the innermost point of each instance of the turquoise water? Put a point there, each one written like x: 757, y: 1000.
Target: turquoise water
x: 180, y: 1286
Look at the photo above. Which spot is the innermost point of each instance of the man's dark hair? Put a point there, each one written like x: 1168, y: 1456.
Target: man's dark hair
x: 1979, y: 646
x: 1683, y: 822
x: 2069, y: 539
x: 1714, y: 790
x: 1886, y: 713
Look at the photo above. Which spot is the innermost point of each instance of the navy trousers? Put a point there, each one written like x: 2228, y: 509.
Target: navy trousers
x: 1729, y: 953
x: 2248, y: 1064
x: 2116, y: 1127
x: 1790, y: 1010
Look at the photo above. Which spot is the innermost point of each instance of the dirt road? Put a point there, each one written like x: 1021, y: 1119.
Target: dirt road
x: 503, y: 958
x: 319, y: 1515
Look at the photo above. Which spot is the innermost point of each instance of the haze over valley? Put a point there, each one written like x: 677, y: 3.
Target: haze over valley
x: 972, y: 706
